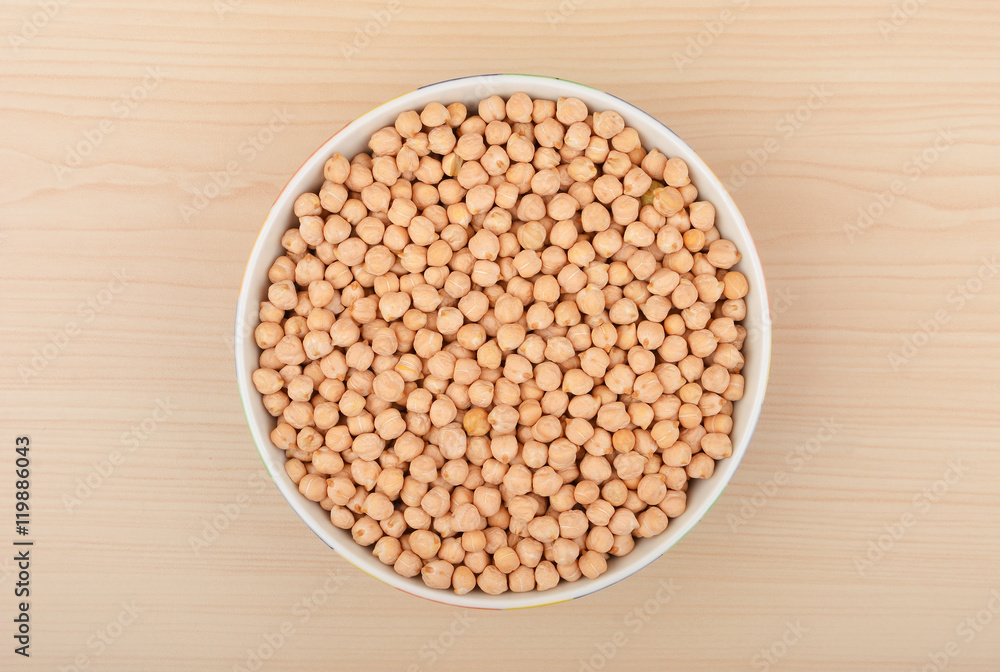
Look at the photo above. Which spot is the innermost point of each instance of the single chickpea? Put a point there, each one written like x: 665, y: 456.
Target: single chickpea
x: 719, y: 423
x: 341, y: 517
x: 408, y: 564
x: 675, y: 172
x: 564, y: 552
x: 623, y: 522
x: 377, y: 506
x: 573, y: 524
x: 295, y: 470
x: 451, y: 551
x: 505, y: 559
x: 734, y: 391
x: 267, y: 381
x: 612, y: 416
x: 463, y: 580
x: 307, y: 204
x: 387, y: 550
x: 546, y: 576
x: 416, y: 518
x: 592, y: 564
x: 608, y: 124
x: 727, y: 356
x: 436, y: 502
x: 701, y: 214
x: 735, y: 285
x: 423, y: 469
x: 298, y: 414
x: 313, y: 487
x: 710, y: 404
x: 522, y: 579
x: 615, y: 492
x: 689, y: 415
x: 336, y: 168
x: 492, y: 581
x: 629, y: 465
x: 388, y: 386
x: 623, y: 441
x: 300, y: 388
x: 717, y: 446
x: 424, y: 543
x: 442, y: 412
x: 308, y: 440
x: 701, y: 466
x: 546, y: 482
x: 652, y: 522
x: 652, y: 488
x: 366, y: 531
x: 544, y: 529
x: 721, y: 254
x: 477, y: 561
x: 674, y: 503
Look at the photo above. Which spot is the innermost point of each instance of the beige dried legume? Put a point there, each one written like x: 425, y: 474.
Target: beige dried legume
x: 500, y: 346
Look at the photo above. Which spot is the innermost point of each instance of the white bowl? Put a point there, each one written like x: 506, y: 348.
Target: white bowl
x: 352, y: 139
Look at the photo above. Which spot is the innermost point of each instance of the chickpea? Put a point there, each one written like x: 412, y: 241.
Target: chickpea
x: 544, y: 529
x: 674, y: 503
x: 701, y: 466
x: 313, y: 487
x: 492, y: 581
x: 717, y: 445
x: 734, y: 391
x: 388, y: 386
x: 424, y: 544
x: 408, y: 564
x: 592, y: 564
x: 502, y: 340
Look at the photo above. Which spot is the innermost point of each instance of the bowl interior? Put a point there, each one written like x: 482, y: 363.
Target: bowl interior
x: 353, y: 139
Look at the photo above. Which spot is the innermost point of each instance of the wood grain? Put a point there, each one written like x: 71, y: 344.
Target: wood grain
x: 81, y: 378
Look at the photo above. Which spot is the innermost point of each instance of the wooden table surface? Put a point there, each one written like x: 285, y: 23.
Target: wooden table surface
x: 142, y: 145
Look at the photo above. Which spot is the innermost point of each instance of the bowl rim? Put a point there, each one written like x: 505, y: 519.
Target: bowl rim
x: 459, y: 88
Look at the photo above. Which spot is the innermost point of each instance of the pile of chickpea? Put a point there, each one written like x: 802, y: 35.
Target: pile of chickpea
x: 499, y: 345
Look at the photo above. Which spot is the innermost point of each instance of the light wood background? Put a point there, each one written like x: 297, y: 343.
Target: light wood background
x: 793, y: 570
